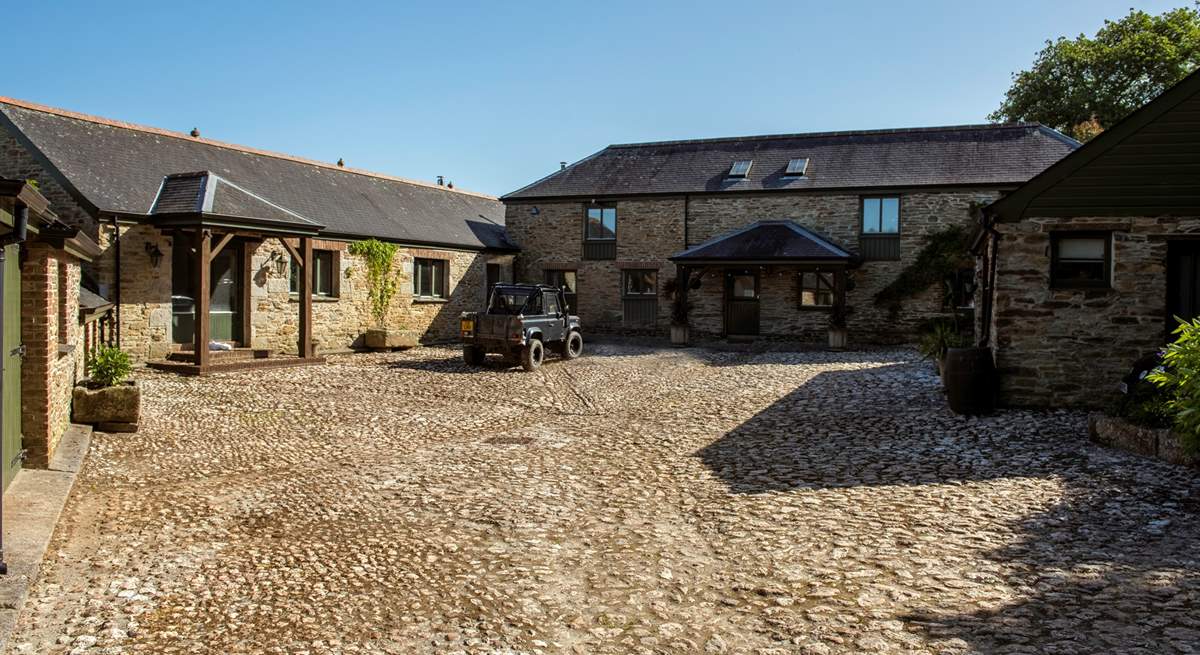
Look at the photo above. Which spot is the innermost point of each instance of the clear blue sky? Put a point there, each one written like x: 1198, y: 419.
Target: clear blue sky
x: 493, y: 95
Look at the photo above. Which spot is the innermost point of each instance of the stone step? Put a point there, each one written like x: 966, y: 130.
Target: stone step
x: 235, y: 355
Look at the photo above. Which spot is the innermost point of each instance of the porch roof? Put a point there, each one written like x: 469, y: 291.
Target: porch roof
x: 771, y: 242
x: 205, y: 199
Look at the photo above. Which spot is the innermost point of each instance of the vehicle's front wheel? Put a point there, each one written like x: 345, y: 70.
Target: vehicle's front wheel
x: 532, y: 354
x: 473, y: 355
x: 573, y: 348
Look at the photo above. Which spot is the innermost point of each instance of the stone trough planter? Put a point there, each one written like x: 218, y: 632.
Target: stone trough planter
x: 1159, y: 443
x: 109, y: 409
x: 390, y: 339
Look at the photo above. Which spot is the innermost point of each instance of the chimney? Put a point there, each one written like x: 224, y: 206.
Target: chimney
x: 441, y: 181
x: 195, y: 132
x: 341, y: 162
x: 562, y: 165
x: 449, y: 185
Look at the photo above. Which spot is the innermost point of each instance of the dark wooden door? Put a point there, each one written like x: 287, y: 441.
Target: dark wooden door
x: 1183, y: 281
x: 741, y: 303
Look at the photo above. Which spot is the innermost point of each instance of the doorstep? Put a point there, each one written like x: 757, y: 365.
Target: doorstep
x: 32, y: 505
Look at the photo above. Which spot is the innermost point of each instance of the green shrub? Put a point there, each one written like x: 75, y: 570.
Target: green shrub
x: 938, y: 336
x: 1180, y: 377
x: 110, y: 366
x: 381, y: 284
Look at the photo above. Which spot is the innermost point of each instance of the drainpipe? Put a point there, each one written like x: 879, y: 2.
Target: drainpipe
x: 20, y: 222
x: 687, y: 202
x: 117, y: 277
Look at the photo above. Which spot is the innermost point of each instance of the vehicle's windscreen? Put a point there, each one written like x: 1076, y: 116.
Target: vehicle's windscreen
x: 508, y: 301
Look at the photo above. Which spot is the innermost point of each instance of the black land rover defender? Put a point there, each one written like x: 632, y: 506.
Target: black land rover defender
x: 522, y: 321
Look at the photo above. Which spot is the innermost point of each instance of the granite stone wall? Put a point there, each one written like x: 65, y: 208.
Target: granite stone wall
x: 649, y: 231
x: 1070, y: 347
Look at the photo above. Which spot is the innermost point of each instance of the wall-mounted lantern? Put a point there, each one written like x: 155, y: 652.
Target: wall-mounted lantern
x: 154, y: 253
x: 280, y: 263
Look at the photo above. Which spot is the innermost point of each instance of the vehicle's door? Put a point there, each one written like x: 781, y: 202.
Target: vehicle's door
x: 555, y: 316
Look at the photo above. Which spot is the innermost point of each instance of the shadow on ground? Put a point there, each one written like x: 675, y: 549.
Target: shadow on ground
x: 1114, y: 566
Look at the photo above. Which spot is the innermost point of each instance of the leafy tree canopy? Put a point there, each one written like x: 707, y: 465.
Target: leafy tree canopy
x: 1083, y: 85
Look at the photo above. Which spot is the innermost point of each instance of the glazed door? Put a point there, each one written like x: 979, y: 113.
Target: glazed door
x: 1183, y: 281
x: 225, y: 307
x: 741, y: 303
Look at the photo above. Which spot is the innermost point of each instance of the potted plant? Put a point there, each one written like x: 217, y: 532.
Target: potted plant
x: 938, y: 338
x: 382, y: 284
x: 837, y: 326
x: 108, y: 400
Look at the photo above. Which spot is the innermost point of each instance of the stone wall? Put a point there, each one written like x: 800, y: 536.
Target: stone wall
x: 52, y: 335
x: 651, y: 230
x: 1070, y: 347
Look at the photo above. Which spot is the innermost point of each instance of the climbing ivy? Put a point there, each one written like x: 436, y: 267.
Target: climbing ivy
x: 378, y: 257
x: 944, y: 254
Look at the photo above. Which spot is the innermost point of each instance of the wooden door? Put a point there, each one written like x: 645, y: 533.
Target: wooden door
x: 1183, y: 281
x: 11, y: 351
x: 741, y: 303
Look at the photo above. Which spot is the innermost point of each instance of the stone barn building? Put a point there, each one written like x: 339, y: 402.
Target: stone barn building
x: 1089, y: 263
x: 154, y: 200
x: 777, y: 229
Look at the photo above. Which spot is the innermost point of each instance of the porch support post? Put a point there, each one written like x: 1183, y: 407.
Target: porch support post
x: 247, y: 291
x: 202, y: 290
x: 839, y: 290
x: 306, y: 274
x: 683, y: 280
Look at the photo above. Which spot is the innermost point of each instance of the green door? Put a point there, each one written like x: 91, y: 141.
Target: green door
x: 11, y: 460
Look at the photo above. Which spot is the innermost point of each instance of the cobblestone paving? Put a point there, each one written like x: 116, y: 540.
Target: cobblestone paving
x: 634, y: 501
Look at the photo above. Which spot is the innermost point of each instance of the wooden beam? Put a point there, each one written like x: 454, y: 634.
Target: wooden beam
x: 292, y: 251
x: 202, y: 291
x: 216, y: 250
x: 306, y: 293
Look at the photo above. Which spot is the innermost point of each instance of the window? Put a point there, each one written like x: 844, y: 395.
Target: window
x: 324, y: 278
x: 741, y: 168
x: 1080, y: 260
x: 550, y: 302
x: 639, y: 283
x: 429, y: 278
x: 796, y: 167
x: 566, y: 281
x: 881, y: 215
x: 961, y: 292
x: 816, y: 289
x: 639, y: 300
x: 601, y: 224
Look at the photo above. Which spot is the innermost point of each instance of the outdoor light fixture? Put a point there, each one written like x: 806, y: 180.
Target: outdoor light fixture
x: 154, y: 253
x: 534, y: 210
x: 280, y: 262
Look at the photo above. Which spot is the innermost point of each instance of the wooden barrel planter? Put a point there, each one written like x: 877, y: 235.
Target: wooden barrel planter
x: 969, y: 375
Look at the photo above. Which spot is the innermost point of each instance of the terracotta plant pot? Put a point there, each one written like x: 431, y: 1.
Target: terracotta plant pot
x: 679, y: 335
x: 110, y: 409
x: 390, y: 339
x: 837, y: 339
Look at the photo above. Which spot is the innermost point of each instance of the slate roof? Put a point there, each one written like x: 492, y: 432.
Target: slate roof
x: 1006, y: 154
x: 118, y: 168
x: 207, y: 193
x: 766, y: 241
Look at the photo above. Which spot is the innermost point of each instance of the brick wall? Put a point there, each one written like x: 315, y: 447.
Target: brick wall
x: 1070, y: 347
x: 52, y: 335
x: 17, y: 164
x: 651, y: 230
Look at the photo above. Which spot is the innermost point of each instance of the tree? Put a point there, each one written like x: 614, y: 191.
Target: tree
x: 1084, y: 85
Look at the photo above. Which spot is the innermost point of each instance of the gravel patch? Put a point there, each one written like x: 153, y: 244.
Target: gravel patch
x: 638, y: 500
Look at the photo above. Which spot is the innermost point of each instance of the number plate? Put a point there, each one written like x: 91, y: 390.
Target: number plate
x: 468, y: 326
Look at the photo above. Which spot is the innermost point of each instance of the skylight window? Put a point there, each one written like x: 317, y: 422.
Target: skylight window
x: 797, y: 167
x: 740, y: 168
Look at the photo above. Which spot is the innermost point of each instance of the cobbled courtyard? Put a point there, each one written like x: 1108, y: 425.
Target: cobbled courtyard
x: 637, y: 500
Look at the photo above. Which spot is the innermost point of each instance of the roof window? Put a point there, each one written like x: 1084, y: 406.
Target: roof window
x: 797, y: 167
x: 741, y: 168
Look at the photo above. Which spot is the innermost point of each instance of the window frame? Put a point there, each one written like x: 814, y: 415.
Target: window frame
x: 1073, y: 284
x: 442, y: 282
x: 788, y: 172
x: 733, y: 167
x: 832, y: 284
x: 335, y: 289
x: 601, y: 206
x: 862, y: 215
x: 625, y: 273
